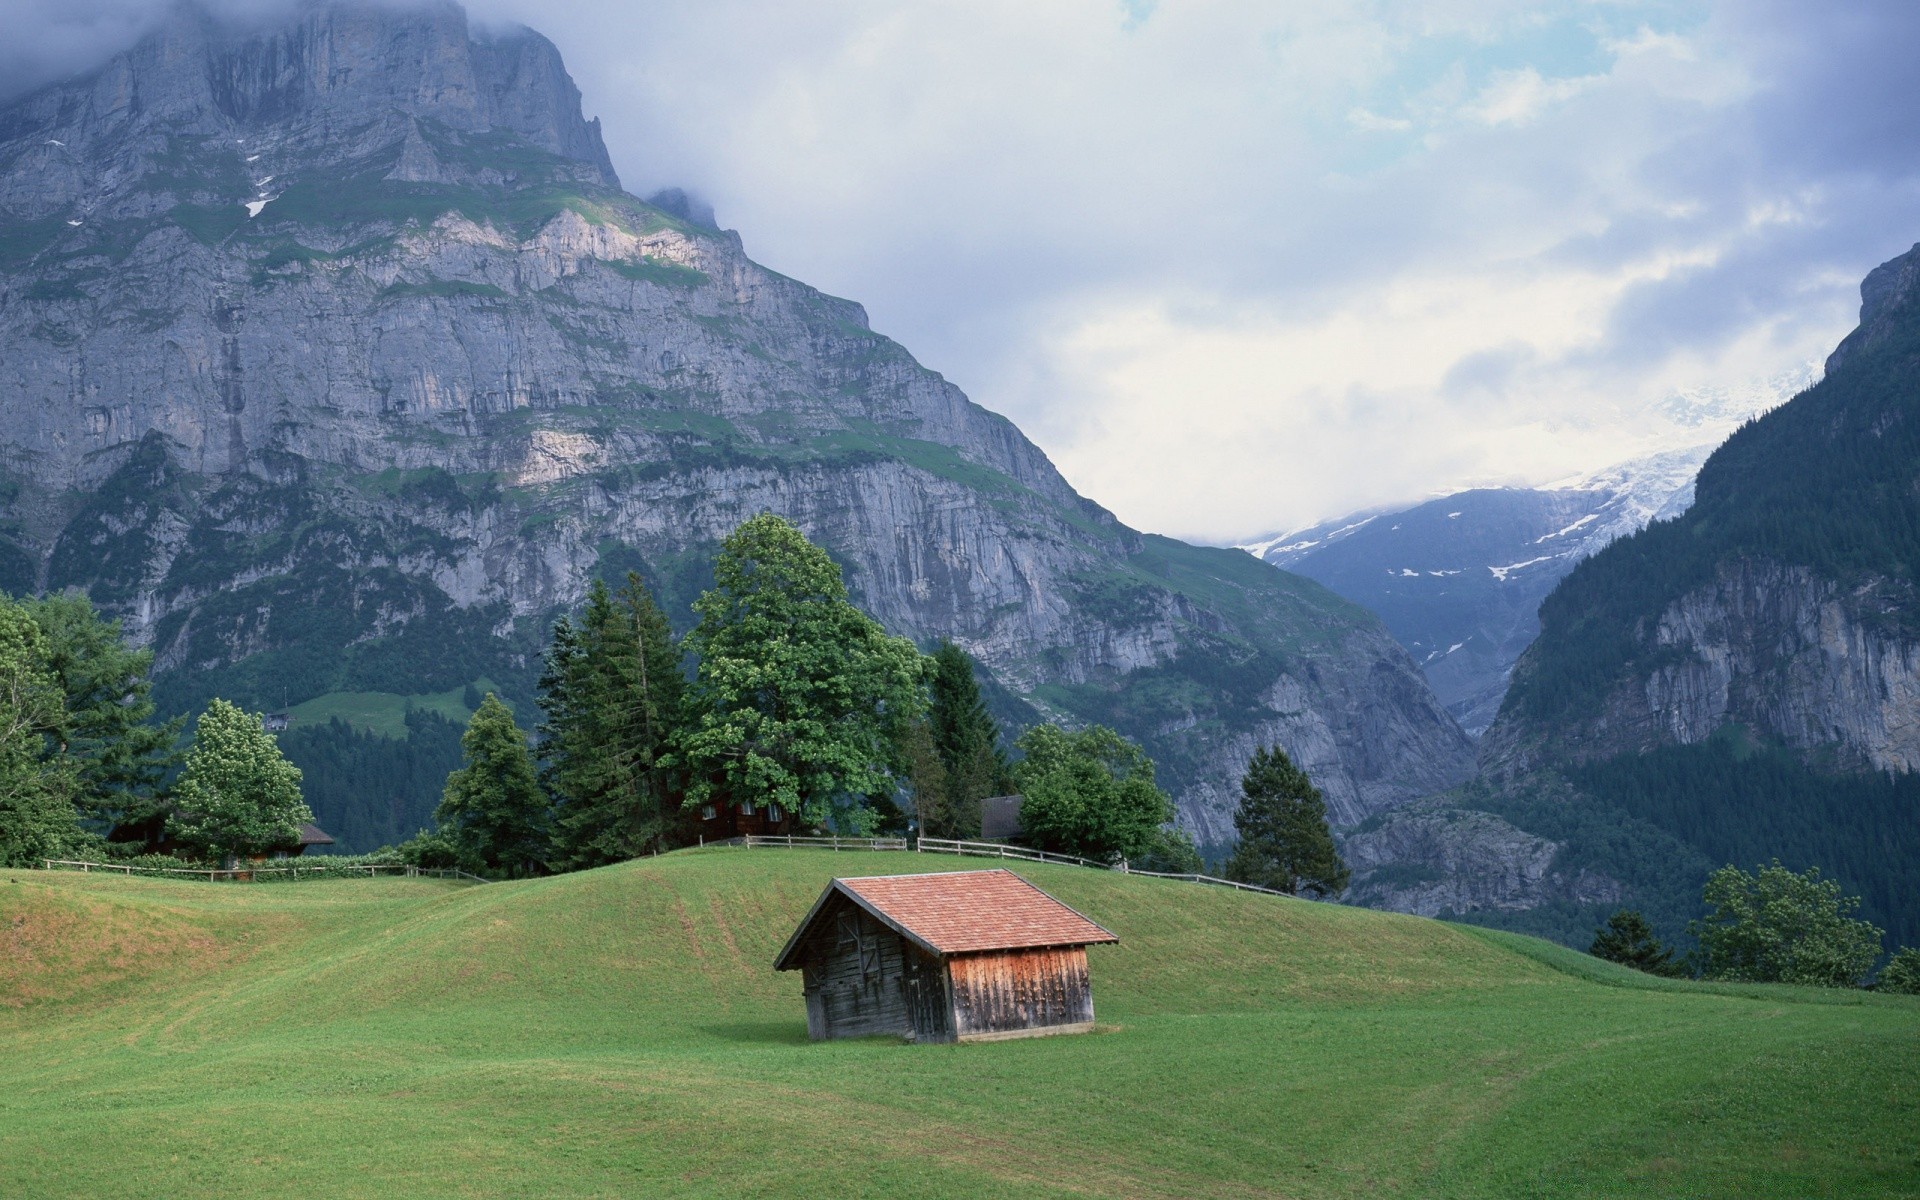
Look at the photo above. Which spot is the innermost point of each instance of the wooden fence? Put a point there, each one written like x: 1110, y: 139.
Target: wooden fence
x: 1000, y: 850
x: 820, y: 843
x: 928, y: 845
x: 246, y: 874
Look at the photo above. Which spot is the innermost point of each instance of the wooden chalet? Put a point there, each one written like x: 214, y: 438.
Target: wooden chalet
x: 720, y: 821
x: 952, y: 956
x: 310, y: 835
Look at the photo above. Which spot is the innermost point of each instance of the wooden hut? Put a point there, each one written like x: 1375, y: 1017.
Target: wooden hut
x: 952, y: 956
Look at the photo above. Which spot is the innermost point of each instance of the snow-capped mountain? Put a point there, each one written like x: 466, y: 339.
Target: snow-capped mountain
x: 1459, y: 579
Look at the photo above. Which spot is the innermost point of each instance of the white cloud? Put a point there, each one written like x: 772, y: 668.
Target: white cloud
x: 1520, y: 97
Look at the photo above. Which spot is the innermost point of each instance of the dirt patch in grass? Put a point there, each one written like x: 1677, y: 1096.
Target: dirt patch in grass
x: 57, y: 946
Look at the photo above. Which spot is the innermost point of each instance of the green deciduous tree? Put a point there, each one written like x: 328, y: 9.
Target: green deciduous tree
x: 120, y: 756
x: 1901, y: 975
x: 1171, y: 851
x: 1284, y: 840
x: 237, y: 796
x: 37, y: 818
x: 801, y: 699
x: 614, y: 700
x: 1628, y: 939
x: 1089, y: 793
x: 966, y: 740
x: 493, y: 811
x: 1775, y: 926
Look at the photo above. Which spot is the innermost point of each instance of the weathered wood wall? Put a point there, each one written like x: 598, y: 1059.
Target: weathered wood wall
x: 1008, y: 992
x: 861, y: 978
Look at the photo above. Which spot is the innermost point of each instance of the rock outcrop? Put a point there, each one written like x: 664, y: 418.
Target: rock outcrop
x: 333, y: 359
x: 1434, y: 859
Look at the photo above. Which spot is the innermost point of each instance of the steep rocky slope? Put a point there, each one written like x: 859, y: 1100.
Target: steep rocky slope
x: 334, y: 359
x: 1742, y: 682
x: 1459, y: 580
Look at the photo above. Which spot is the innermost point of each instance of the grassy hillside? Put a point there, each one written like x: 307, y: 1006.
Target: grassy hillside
x: 619, y: 1032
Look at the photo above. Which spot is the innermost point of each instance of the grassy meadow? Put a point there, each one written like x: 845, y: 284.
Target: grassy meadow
x: 620, y: 1032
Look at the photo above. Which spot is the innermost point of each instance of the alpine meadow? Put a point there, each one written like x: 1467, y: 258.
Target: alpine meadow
x: 507, y: 691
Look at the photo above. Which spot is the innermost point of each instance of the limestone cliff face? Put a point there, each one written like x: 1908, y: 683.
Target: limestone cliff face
x: 1434, y: 859
x: 1767, y: 646
x: 332, y: 358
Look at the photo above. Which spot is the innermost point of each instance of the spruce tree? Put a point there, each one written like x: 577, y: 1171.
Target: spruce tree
x: 927, y: 783
x: 1628, y: 940
x: 493, y: 810
x: 238, y: 795
x: 1284, y: 840
x: 614, y: 700
x: 966, y: 737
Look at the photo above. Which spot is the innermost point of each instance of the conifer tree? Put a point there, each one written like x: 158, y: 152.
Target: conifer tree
x: 801, y: 699
x: 493, y: 810
x: 927, y: 784
x: 238, y: 796
x: 1284, y: 840
x: 1628, y: 940
x: 966, y: 737
x: 614, y: 700
x: 37, y: 819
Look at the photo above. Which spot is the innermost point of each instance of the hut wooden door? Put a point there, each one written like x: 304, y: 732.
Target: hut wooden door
x: 929, y: 1012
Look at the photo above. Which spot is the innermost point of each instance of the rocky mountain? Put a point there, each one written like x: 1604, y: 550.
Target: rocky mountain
x: 335, y: 361
x: 1742, y: 682
x: 1459, y: 580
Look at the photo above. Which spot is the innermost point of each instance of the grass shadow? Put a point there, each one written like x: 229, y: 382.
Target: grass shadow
x: 766, y: 1033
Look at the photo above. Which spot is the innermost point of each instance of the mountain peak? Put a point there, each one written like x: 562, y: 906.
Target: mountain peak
x: 344, y: 79
x: 1885, y: 294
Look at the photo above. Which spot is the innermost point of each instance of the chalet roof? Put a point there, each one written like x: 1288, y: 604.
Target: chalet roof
x: 958, y: 912
x: 313, y: 835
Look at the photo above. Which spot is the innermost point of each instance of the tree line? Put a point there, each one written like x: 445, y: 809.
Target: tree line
x: 798, y: 704
x: 783, y: 696
x: 1770, y: 925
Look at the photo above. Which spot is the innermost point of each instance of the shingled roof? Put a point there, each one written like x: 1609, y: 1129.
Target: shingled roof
x: 959, y: 912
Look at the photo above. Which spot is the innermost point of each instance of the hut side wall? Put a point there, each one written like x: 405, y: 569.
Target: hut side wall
x: 1012, y: 993
x: 855, y: 977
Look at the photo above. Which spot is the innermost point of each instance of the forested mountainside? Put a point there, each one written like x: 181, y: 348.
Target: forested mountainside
x: 334, y: 360
x: 1743, y: 682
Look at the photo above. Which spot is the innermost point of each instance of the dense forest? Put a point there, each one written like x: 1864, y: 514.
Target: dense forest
x: 1736, y: 802
x: 368, y: 790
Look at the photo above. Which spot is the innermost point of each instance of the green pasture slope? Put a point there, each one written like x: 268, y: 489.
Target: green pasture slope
x: 620, y: 1033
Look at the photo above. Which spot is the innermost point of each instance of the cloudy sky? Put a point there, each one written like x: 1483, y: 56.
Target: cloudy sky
x: 1239, y: 266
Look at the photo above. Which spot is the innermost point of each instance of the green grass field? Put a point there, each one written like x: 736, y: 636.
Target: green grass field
x: 620, y: 1033
x: 384, y: 713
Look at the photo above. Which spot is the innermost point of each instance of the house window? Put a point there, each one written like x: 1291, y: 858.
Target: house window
x: 746, y: 808
x: 773, y: 812
x: 707, y: 813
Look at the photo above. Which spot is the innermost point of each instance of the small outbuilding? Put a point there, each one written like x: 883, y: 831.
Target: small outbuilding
x: 951, y: 956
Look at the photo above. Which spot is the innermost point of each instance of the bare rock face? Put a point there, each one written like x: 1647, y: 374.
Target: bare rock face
x: 1434, y: 860
x: 332, y: 358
